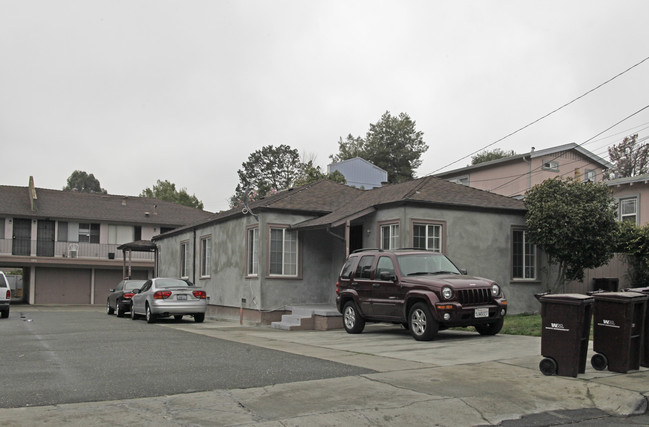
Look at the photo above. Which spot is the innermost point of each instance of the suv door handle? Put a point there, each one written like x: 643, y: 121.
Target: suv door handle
x: 376, y: 285
x: 353, y: 284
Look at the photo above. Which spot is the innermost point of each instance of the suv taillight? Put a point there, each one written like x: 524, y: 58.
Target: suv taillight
x: 200, y: 294
x: 338, y: 287
x: 128, y: 295
x: 8, y: 294
x: 162, y: 295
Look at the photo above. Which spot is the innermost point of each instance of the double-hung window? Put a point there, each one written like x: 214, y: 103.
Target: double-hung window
x: 524, y: 256
x: 183, y: 259
x: 206, y: 256
x: 252, y: 263
x: 89, y: 233
x: 283, y: 252
x: 427, y: 236
x: 390, y: 236
x: 629, y: 210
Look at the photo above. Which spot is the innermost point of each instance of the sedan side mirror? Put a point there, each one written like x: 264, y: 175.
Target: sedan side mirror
x: 463, y: 271
x: 136, y: 291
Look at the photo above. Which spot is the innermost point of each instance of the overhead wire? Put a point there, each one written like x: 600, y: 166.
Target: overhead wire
x: 544, y: 116
x: 581, y: 144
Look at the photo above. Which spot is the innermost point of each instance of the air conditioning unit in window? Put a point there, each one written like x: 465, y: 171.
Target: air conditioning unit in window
x: 73, y: 250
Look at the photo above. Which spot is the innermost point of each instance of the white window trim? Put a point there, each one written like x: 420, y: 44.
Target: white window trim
x: 184, y: 249
x: 428, y: 223
x: 621, y: 216
x: 392, y: 228
x: 206, y: 257
x: 252, y: 250
x: 284, y: 230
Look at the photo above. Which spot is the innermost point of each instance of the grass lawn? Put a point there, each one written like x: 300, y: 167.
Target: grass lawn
x: 522, y: 324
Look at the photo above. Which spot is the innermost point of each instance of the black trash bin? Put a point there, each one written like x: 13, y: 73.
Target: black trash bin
x: 644, y: 354
x: 618, y: 330
x: 565, y: 320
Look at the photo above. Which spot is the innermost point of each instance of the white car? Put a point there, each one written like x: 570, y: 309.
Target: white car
x: 163, y: 297
x: 5, y: 296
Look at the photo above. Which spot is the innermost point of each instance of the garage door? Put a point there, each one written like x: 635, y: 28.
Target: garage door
x: 62, y: 286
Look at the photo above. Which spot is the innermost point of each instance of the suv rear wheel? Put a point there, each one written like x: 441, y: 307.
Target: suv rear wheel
x: 422, y: 325
x: 352, y: 320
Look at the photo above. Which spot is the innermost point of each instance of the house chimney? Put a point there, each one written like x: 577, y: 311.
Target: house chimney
x: 32, y: 193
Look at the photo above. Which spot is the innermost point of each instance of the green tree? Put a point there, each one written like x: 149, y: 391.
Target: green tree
x: 266, y: 170
x: 81, y: 181
x: 392, y: 143
x: 574, y: 223
x: 633, y: 242
x: 489, y: 155
x: 311, y: 173
x: 629, y: 158
x: 165, y: 190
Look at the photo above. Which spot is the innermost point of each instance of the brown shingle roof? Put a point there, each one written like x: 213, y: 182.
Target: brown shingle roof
x: 71, y: 205
x: 334, y: 203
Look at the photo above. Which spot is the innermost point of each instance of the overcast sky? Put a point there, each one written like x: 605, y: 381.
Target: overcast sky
x: 135, y: 91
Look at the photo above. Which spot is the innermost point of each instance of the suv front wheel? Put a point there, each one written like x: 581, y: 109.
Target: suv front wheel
x: 490, y: 328
x: 422, y: 325
x: 352, y: 320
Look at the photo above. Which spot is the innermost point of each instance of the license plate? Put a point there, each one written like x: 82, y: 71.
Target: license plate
x: 481, y: 312
x: 181, y: 297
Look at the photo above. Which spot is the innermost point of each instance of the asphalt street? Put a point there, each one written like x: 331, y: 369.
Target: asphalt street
x: 56, y: 357
x: 76, y: 366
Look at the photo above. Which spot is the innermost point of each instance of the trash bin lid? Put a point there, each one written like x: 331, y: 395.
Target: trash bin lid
x: 573, y: 299
x: 638, y: 290
x: 622, y: 297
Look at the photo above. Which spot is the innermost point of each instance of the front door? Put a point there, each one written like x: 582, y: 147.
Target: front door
x: 45, y: 238
x: 22, y: 237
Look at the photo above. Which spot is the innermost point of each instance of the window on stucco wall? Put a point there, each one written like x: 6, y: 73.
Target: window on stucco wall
x: 524, y: 256
x: 390, y: 236
x: 206, y: 256
x: 427, y: 236
x: 252, y: 243
x: 283, y: 252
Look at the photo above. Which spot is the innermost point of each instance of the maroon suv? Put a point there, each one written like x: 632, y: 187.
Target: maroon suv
x: 424, y: 291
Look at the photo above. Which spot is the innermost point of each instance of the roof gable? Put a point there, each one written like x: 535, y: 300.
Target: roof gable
x: 532, y: 154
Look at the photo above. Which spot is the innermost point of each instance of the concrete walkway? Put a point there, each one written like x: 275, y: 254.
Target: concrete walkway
x: 459, y: 379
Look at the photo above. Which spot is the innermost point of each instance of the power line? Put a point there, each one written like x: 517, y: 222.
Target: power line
x: 546, y: 115
x: 579, y: 145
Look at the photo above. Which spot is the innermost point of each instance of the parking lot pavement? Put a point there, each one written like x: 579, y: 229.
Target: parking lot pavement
x: 459, y: 379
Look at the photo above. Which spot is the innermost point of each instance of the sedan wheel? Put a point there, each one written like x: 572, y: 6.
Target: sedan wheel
x: 352, y: 320
x: 133, y: 315
x: 422, y: 325
x: 109, y: 310
x: 150, y: 317
x: 198, y: 318
x: 119, y: 311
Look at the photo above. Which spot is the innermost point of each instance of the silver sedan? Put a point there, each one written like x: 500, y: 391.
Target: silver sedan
x: 163, y: 297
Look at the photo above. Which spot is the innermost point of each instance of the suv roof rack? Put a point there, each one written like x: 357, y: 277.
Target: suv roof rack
x: 367, y: 249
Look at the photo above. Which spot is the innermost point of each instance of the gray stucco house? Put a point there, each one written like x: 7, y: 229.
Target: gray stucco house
x: 288, y: 249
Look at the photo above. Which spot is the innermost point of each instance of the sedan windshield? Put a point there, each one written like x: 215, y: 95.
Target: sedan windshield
x: 425, y: 263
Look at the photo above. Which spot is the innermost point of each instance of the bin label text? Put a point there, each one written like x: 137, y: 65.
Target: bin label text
x: 608, y: 323
x: 557, y: 327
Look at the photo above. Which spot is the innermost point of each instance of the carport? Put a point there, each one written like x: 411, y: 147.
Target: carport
x: 138, y: 246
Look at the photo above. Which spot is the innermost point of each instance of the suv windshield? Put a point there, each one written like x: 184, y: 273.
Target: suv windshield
x: 426, y: 263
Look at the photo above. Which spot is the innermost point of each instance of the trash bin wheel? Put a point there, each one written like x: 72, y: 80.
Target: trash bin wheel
x: 599, y: 362
x: 548, y: 366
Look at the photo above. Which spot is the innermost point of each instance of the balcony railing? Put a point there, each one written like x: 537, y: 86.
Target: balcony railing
x: 67, y: 250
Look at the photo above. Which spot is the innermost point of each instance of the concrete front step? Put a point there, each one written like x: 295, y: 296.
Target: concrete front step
x: 312, y: 317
